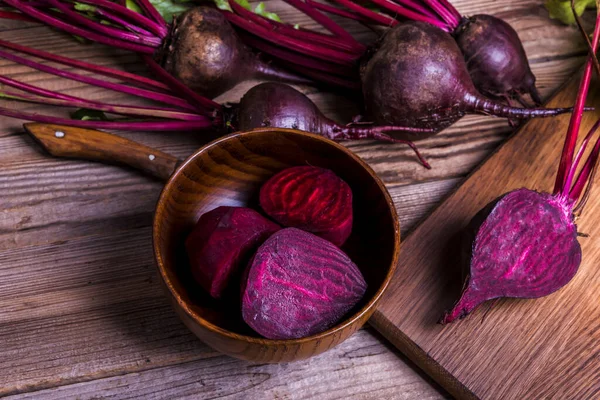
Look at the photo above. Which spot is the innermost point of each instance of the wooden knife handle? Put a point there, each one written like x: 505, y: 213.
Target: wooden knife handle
x: 90, y: 144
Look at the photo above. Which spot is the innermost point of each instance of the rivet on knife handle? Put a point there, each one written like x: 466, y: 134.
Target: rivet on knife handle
x: 90, y: 144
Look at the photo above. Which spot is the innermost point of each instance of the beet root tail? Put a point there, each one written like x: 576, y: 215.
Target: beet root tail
x: 469, y: 301
x: 490, y: 107
x: 353, y: 132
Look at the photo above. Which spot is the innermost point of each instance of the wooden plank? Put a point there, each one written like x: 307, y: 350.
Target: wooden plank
x: 544, y: 348
x: 327, y: 377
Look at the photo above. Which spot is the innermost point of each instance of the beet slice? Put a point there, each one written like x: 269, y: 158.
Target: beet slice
x: 313, y: 199
x: 298, y: 285
x: 525, y: 246
x: 223, y: 239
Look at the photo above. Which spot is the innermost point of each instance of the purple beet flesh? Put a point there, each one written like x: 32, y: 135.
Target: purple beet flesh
x: 221, y: 239
x: 526, y: 247
x: 299, y: 285
x: 312, y: 199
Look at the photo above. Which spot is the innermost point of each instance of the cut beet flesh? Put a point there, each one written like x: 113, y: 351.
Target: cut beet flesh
x: 526, y: 246
x: 312, y: 199
x: 298, y: 285
x: 221, y: 240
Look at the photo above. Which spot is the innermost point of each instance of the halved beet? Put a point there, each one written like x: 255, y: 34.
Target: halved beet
x: 299, y: 285
x: 221, y: 240
x: 312, y: 199
x: 525, y: 246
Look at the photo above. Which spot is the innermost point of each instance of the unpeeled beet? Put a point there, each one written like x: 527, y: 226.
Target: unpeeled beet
x: 313, y: 199
x: 221, y: 240
x: 298, y: 285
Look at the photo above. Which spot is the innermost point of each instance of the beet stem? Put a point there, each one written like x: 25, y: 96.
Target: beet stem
x: 36, y: 90
x: 164, y: 98
x: 447, y: 16
x: 591, y: 50
x: 300, y: 46
x: 326, y: 22
x: 313, y: 37
x: 59, y: 24
x: 158, y: 29
x: 577, y: 159
x: 120, y: 34
x: 404, y: 12
x: 584, y: 174
x: 110, y: 108
x: 566, y: 158
x: 374, y: 16
x: 153, y: 13
x: 206, y: 123
x: 114, y: 73
x: 204, y: 105
x: 122, y: 22
x: 448, y: 6
x: 426, y: 11
x: 337, y: 11
x: 296, y: 58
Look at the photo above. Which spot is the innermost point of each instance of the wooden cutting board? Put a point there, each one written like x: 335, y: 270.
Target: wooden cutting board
x: 547, y: 348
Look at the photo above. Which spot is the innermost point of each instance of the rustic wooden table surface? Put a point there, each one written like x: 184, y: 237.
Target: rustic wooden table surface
x: 81, y: 312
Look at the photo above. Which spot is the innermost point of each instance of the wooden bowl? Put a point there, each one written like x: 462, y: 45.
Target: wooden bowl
x: 230, y: 171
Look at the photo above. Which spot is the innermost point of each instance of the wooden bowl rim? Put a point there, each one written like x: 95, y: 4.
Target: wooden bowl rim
x: 264, y: 341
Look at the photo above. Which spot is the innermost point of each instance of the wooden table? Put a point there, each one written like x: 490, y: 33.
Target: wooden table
x: 81, y: 312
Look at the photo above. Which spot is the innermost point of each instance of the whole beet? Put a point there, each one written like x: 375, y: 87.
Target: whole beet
x: 280, y: 105
x: 417, y: 77
x: 204, y: 52
x: 495, y: 57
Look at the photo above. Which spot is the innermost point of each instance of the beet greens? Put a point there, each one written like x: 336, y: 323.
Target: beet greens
x: 524, y: 244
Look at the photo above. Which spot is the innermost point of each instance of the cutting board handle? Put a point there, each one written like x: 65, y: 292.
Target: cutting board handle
x: 90, y: 144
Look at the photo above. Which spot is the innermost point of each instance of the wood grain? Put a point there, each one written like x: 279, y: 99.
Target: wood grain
x: 83, y: 307
x: 543, y: 348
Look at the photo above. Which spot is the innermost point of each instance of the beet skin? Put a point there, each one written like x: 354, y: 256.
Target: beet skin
x: 299, y: 285
x: 312, y: 199
x: 495, y: 57
x: 526, y: 247
x: 221, y: 239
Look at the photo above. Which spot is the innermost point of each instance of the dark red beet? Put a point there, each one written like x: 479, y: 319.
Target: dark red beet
x: 495, y: 57
x: 526, y: 246
x: 280, y: 105
x: 299, y: 285
x: 312, y: 199
x: 206, y: 54
x: 418, y: 77
x: 221, y: 239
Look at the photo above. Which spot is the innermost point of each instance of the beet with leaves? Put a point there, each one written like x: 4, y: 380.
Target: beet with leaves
x: 525, y: 242
x: 417, y: 77
x: 269, y: 104
x: 199, y: 47
x: 221, y: 240
x: 310, y: 198
x: 298, y: 285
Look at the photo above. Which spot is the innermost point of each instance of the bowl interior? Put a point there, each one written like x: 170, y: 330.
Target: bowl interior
x: 230, y: 171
